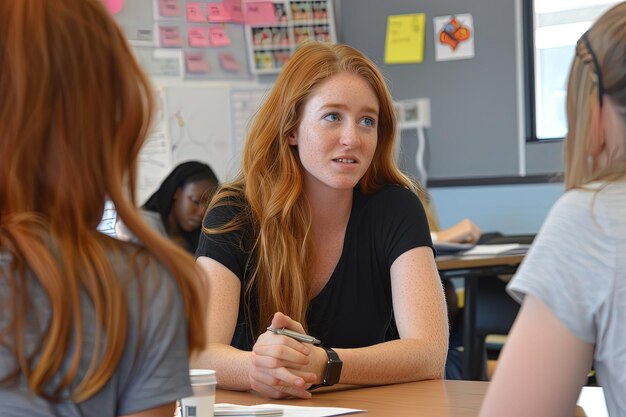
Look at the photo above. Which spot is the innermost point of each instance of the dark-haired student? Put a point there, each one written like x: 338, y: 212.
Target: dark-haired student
x: 177, y: 207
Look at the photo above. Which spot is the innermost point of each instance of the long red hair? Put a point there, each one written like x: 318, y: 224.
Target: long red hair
x: 271, y: 179
x: 74, y: 113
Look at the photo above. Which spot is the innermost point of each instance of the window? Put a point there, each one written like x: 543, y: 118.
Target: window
x: 552, y: 29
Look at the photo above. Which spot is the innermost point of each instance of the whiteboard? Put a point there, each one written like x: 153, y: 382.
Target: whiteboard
x: 206, y: 122
x: 198, y: 121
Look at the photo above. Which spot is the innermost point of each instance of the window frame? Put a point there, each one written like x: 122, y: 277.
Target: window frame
x: 530, y: 94
x: 529, y: 54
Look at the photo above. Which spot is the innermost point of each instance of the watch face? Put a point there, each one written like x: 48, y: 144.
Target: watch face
x: 333, y: 371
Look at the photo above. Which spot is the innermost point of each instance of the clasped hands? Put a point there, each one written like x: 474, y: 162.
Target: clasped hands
x: 284, y: 367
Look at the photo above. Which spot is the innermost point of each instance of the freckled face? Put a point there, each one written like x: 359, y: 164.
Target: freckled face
x: 338, y: 133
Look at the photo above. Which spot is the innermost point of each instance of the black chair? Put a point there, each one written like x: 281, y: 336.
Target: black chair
x: 496, y: 310
x: 495, y: 314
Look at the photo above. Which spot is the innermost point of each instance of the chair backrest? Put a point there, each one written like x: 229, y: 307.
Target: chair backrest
x: 495, y: 309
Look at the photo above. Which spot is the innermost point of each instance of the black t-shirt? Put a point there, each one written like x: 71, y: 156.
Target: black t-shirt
x: 354, y: 309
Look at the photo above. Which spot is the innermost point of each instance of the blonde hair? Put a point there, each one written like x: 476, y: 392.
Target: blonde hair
x: 271, y: 179
x: 74, y: 112
x: 605, y: 44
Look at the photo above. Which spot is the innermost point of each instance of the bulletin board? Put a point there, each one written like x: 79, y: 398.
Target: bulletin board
x: 206, y: 95
x: 273, y: 37
x: 197, y: 54
x: 180, y: 39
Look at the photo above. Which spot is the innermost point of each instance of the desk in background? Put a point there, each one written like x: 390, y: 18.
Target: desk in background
x: 437, y: 398
x: 471, y: 269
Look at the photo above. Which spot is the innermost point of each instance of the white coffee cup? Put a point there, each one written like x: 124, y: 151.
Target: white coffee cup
x: 202, y: 403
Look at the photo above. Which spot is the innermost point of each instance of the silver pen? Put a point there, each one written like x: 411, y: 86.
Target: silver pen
x: 304, y: 338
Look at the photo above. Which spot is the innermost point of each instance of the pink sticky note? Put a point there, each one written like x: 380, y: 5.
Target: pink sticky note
x: 169, y: 8
x: 217, y: 13
x: 228, y: 62
x: 170, y: 36
x: 218, y: 36
x: 259, y: 13
x: 195, y: 12
x: 196, y: 63
x: 114, y: 6
x: 198, y: 37
x: 233, y: 8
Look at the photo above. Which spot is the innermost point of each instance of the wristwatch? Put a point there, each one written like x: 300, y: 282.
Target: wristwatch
x: 333, y: 369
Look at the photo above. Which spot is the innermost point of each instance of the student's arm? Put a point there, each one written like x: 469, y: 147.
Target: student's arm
x: 233, y: 366
x: 464, y: 231
x: 282, y: 366
x: 420, y: 314
x: 541, y: 369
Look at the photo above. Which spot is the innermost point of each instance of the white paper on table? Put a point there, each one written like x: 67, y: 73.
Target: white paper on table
x: 287, y: 410
x: 496, y: 249
x: 591, y: 400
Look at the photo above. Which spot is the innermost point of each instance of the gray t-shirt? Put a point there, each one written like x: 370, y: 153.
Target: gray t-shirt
x: 577, y: 267
x: 152, y: 218
x: 154, y: 367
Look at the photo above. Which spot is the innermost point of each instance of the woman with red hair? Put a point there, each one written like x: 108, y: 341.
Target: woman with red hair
x: 322, y: 233
x: 89, y: 325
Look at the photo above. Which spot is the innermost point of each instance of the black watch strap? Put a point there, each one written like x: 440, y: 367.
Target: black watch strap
x: 333, y: 369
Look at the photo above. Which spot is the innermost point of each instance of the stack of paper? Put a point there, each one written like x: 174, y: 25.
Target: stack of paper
x: 271, y: 410
x: 507, y: 248
x: 242, y: 410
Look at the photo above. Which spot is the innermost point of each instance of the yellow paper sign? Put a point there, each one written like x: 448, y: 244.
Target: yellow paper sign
x: 405, y: 38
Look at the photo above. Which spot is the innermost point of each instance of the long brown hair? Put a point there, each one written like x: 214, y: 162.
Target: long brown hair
x: 271, y: 179
x: 74, y: 112
x: 599, y: 60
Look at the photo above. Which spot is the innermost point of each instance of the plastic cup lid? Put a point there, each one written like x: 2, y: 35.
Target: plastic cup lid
x: 202, y: 376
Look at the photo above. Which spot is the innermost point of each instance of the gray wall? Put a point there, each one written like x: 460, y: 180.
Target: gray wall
x: 474, y: 129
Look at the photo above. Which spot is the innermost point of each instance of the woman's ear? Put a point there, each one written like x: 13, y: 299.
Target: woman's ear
x: 597, y: 131
x: 177, y: 193
x: 292, y: 139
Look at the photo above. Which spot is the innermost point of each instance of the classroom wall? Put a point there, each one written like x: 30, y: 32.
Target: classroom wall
x: 509, y: 209
x: 474, y: 102
x: 474, y: 111
x: 474, y: 105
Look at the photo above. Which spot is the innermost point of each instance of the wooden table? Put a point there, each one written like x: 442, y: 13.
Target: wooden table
x: 437, y: 398
x: 460, y: 262
x: 428, y: 398
x: 471, y: 268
